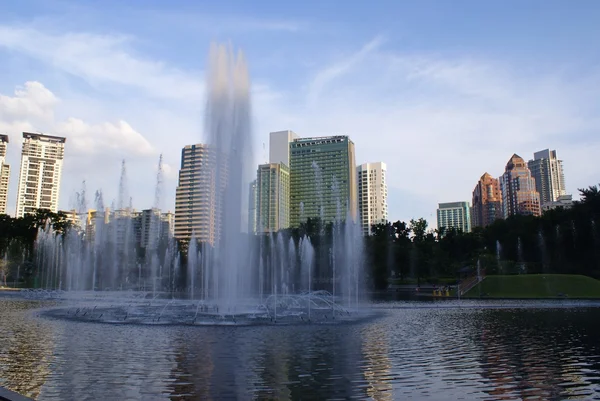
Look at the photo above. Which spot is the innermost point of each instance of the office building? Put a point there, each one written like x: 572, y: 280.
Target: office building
x: 252, y: 194
x: 41, y: 169
x: 154, y: 226
x: 4, y: 174
x: 279, y: 146
x: 323, y: 181
x: 547, y: 171
x: 372, y: 195
x: 487, y: 202
x: 563, y: 201
x: 454, y: 215
x: 272, y: 197
x: 197, y: 209
x: 519, y: 193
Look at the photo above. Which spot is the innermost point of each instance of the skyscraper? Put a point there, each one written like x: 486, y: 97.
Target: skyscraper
x: 4, y: 174
x: 372, y: 195
x: 41, y: 169
x: 196, y: 206
x: 487, y: 202
x: 519, y: 194
x: 273, y: 197
x: 252, y: 215
x: 279, y: 146
x: 322, y: 179
x: 454, y: 215
x: 547, y: 171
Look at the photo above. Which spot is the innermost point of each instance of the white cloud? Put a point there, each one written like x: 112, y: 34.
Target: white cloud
x: 31, y: 101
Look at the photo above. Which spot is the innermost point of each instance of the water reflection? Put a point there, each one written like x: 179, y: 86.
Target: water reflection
x: 437, y: 353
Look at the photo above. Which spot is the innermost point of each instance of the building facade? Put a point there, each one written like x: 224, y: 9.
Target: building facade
x: 154, y: 225
x: 454, y: 215
x: 272, y: 197
x: 519, y: 193
x: 563, y: 201
x: 547, y: 171
x: 279, y: 146
x: 252, y: 215
x: 197, y: 208
x: 323, y: 181
x: 372, y: 195
x: 4, y: 174
x: 41, y: 170
x: 487, y: 202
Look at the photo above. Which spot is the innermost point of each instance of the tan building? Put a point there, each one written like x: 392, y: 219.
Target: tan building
x: 4, y: 174
x: 519, y: 193
x: 547, y: 170
x: 372, y: 195
x: 272, y: 197
x: 41, y: 170
x: 197, y: 209
x: 487, y: 202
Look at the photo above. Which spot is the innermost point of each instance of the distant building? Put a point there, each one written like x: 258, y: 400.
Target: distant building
x: 252, y: 213
x: 372, y: 195
x: 323, y: 180
x: 272, y: 197
x: 547, y: 171
x: 154, y: 226
x: 41, y: 169
x: 519, y: 193
x: 279, y: 146
x: 197, y: 209
x: 454, y: 215
x: 564, y: 201
x: 4, y: 174
x: 487, y: 202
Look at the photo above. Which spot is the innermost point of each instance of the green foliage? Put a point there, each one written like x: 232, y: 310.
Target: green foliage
x: 537, y: 286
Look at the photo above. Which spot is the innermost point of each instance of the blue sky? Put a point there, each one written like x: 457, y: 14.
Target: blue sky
x: 441, y: 91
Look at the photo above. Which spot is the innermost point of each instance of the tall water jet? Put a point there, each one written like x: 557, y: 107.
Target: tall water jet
x: 229, y: 131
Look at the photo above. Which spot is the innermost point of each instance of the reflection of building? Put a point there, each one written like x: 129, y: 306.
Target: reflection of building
x: 454, y: 215
x: 4, y: 174
x: 519, y: 194
x: 487, y: 202
x: 372, y: 195
x: 272, y: 197
x: 41, y: 169
x: 547, y: 171
x: 196, y: 204
x: 322, y: 179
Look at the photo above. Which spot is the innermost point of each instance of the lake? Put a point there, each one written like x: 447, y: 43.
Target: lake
x: 443, y: 350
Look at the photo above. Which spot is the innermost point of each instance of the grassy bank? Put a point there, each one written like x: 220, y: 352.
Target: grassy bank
x: 537, y: 286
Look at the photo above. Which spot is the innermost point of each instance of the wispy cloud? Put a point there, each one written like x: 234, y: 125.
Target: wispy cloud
x: 102, y: 59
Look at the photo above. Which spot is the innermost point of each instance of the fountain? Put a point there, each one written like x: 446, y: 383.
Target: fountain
x: 271, y: 278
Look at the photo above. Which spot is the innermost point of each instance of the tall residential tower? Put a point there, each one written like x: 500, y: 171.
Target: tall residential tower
x: 4, y: 174
x: 547, y: 171
x: 519, y: 193
x: 272, y: 197
x: 41, y: 169
x: 372, y: 195
x: 322, y: 179
x: 487, y: 202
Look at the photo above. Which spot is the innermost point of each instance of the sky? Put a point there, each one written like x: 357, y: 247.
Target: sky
x: 440, y: 91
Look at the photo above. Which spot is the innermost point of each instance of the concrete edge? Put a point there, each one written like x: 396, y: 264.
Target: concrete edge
x: 7, y: 395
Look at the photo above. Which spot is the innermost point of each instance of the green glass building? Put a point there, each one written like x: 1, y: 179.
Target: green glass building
x: 272, y: 197
x: 323, y: 179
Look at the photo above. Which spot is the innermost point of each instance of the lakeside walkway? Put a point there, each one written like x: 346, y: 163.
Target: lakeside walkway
x: 7, y: 395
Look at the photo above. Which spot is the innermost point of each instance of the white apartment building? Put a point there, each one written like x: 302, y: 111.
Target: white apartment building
x: 279, y: 146
x: 547, y: 171
x: 4, y: 174
x: 372, y: 195
x: 41, y: 169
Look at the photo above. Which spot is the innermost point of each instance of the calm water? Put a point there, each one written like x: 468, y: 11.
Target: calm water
x: 414, y: 351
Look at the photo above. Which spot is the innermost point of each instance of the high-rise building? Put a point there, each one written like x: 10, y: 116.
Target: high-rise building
x: 196, y: 207
x: 4, y: 174
x: 547, y: 171
x: 273, y: 197
x: 279, y: 146
x: 154, y: 226
x: 519, y: 194
x: 454, y: 215
x: 487, y: 202
x: 322, y: 179
x: 372, y: 195
x: 41, y: 169
x: 252, y: 215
